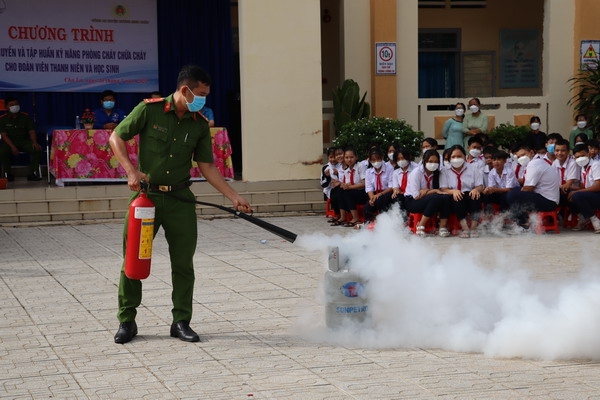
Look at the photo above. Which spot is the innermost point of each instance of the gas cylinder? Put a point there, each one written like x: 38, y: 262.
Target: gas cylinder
x: 140, y: 234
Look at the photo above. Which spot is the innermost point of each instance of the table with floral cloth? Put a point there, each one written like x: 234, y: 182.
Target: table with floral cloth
x: 80, y: 155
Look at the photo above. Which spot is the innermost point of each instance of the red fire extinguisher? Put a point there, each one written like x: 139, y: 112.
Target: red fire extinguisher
x: 140, y: 234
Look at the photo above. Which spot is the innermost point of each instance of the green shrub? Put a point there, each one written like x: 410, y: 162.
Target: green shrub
x: 378, y: 131
x: 505, y: 135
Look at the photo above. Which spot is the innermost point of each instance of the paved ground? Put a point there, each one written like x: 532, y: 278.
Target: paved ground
x: 259, y: 312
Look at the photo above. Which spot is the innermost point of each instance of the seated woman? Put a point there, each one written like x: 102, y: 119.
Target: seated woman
x: 353, y: 189
x: 423, y: 194
x: 464, y: 182
x: 378, y: 178
x: 405, y: 164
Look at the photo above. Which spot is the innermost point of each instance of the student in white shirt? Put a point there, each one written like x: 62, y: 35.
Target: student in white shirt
x: 488, y: 159
x: 392, y: 148
x: 335, y: 193
x: 400, y: 175
x: 378, y: 178
x: 501, y: 180
x: 353, y: 189
x: 423, y: 194
x: 568, y: 170
x: 464, y: 182
x: 474, y: 152
x: 540, y: 191
x: 586, y: 199
x: 593, y: 149
x: 326, y: 173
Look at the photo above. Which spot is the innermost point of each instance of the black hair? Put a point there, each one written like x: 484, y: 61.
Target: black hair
x: 484, y: 138
x: 555, y: 136
x: 446, y: 152
x: 458, y: 147
x: 562, y: 142
x: 155, y: 93
x: 406, y: 153
x: 436, y: 174
x: 331, y: 151
x: 474, y: 139
x: 593, y: 143
x: 582, y: 136
x: 191, y: 75
x: 489, y: 150
x: 580, y: 147
x: 107, y: 93
x: 524, y: 146
x: 431, y: 141
x: 500, y: 155
x: 535, y: 118
x: 580, y: 115
x: 476, y: 99
x: 375, y: 151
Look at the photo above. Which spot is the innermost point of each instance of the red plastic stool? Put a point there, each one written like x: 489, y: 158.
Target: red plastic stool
x: 329, y: 213
x: 413, y: 221
x: 547, y: 221
x: 453, y: 225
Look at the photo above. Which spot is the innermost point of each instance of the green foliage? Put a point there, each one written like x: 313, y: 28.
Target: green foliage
x: 347, y: 106
x: 585, y: 86
x: 504, y: 135
x: 378, y: 131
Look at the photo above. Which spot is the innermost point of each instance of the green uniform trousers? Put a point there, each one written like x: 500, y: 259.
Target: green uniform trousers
x: 179, y: 222
x: 24, y: 145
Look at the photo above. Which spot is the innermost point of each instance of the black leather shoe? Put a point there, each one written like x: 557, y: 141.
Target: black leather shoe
x: 182, y: 330
x: 126, y: 332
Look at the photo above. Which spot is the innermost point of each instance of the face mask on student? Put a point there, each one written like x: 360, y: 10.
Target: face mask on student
x: 535, y: 126
x: 376, y: 164
x: 432, y: 166
x: 474, y: 109
x: 550, y: 148
x: 14, y: 109
x: 403, y: 163
x: 582, y: 161
x: 475, y: 153
x: 390, y: 156
x: 523, y: 161
x: 108, y: 105
x: 457, y: 162
x: 581, y: 124
x: 459, y: 112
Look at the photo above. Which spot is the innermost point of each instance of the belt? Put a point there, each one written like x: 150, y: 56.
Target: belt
x: 166, y: 188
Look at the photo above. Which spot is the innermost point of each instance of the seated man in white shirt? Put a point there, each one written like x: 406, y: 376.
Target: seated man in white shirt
x: 568, y: 170
x: 586, y: 199
x: 501, y: 180
x: 540, y: 191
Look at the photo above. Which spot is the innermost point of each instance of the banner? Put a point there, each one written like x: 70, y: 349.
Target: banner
x: 78, y: 46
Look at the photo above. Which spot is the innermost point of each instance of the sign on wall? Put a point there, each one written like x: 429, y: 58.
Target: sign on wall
x: 78, y: 46
x: 519, y: 58
x: 385, y: 56
x: 590, y: 54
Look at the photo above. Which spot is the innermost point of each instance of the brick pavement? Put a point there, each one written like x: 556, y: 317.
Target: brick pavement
x: 58, y: 300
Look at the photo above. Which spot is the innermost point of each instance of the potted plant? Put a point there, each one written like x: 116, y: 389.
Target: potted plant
x: 585, y: 86
x: 504, y: 135
x: 348, y: 105
x: 88, y: 118
x: 380, y: 132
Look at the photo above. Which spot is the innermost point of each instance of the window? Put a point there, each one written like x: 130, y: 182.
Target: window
x: 439, y: 63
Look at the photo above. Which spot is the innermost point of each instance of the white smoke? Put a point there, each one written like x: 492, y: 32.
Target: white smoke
x: 420, y: 295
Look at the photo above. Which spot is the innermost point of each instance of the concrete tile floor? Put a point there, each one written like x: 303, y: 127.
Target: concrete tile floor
x: 58, y: 289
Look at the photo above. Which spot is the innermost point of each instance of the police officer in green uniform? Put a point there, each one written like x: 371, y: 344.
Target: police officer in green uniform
x: 172, y: 132
x: 18, y: 134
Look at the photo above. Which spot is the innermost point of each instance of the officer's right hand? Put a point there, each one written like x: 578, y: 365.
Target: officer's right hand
x: 134, y: 180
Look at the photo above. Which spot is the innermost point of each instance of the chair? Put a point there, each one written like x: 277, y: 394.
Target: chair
x: 413, y: 221
x: 547, y: 221
x: 329, y: 213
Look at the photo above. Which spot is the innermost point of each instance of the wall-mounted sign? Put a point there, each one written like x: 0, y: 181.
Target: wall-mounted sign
x: 590, y: 54
x: 385, y: 56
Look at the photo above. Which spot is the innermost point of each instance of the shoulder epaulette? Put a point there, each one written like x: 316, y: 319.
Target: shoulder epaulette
x: 203, y: 116
x: 154, y: 100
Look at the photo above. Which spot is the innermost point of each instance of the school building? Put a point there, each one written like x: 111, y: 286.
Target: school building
x: 516, y: 56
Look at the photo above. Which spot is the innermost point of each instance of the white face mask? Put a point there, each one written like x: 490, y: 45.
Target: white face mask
x: 535, y: 126
x: 581, y: 124
x: 390, y: 156
x: 376, y: 164
x: 582, y: 161
x: 474, y: 108
x: 475, y: 152
x: 431, y: 166
x: 403, y: 163
x: 459, y: 112
x: 424, y: 150
x: 457, y: 162
x: 14, y: 109
x: 523, y: 161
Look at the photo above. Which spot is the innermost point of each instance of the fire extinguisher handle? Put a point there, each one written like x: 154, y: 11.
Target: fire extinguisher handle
x: 143, y: 186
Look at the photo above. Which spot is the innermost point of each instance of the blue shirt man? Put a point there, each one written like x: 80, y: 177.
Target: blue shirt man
x: 108, y: 117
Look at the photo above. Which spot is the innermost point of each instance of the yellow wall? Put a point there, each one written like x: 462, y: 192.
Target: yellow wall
x: 281, y: 100
x: 356, y: 44
x: 587, y: 15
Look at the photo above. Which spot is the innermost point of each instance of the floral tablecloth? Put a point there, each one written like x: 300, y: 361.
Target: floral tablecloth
x: 83, y: 155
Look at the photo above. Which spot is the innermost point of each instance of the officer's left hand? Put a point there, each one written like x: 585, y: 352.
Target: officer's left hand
x: 241, y: 204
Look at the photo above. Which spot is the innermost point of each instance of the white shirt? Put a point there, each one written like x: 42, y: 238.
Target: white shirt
x: 399, y: 173
x: 478, y: 161
x: 385, y: 172
x: 486, y: 173
x: 507, y: 180
x: 568, y: 170
x: 470, y: 177
x: 359, y: 174
x: 417, y: 180
x: 590, y: 174
x: 544, y: 178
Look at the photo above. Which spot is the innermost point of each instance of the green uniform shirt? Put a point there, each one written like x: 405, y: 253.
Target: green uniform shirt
x: 17, y: 128
x: 167, y: 144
